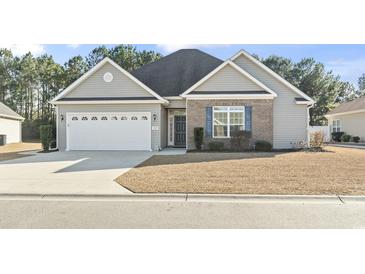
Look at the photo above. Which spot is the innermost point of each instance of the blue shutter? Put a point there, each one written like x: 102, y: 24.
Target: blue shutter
x: 248, y: 118
x: 208, y: 122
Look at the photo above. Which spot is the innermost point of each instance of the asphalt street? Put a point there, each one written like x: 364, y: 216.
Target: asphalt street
x: 121, y: 213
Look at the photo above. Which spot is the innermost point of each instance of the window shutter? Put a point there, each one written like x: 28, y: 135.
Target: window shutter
x: 208, y: 122
x: 248, y: 118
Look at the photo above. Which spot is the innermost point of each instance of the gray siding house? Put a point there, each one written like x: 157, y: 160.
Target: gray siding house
x: 161, y: 103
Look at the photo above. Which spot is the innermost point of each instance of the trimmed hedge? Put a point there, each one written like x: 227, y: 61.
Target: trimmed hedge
x: 262, y: 145
x: 198, y: 137
x: 356, y: 139
x: 336, y: 136
x: 45, y: 133
x: 215, y: 146
x: 346, y: 138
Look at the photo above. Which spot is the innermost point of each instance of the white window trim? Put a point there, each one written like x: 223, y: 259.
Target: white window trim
x: 338, y: 125
x: 228, y: 120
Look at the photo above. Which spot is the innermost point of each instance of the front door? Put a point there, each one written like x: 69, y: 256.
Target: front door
x: 180, y: 131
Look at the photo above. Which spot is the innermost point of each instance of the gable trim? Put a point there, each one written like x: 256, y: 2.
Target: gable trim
x: 272, y: 73
x: 239, y: 69
x: 94, y: 69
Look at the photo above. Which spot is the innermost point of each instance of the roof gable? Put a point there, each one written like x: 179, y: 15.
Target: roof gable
x: 92, y: 84
x: 174, y: 73
x: 235, y: 67
x: 271, y: 73
x: 228, y: 79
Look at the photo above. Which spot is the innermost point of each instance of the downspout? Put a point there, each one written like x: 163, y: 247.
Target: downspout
x: 308, y: 125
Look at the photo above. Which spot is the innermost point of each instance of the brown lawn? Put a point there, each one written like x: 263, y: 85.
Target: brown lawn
x: 337, y: 171
x: 11, y: 151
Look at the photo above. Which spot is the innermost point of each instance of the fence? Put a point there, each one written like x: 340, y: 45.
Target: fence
x: 324, y: 129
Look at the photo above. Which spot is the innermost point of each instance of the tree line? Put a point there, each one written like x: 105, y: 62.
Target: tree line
x: 28, y: 83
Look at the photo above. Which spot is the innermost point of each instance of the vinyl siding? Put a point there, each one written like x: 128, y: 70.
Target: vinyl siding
x: 177, y: 103
x: 12, y: 129
x: 289, y: 119
x: 352, y: 124
x: 153, y: 108
x: 121, y: 86
x: 228, y: 79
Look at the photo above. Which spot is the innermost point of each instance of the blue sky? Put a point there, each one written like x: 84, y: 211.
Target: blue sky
x: 346, y: 60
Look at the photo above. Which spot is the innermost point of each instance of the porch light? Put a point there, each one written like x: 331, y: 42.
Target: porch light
x: 154, y: 116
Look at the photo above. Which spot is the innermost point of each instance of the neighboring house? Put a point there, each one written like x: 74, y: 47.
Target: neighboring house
x: 348, y: 117
x: 10, y: 125
x: 161, y: 103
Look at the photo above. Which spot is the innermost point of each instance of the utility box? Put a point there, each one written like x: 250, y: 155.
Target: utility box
x: 2, y: 139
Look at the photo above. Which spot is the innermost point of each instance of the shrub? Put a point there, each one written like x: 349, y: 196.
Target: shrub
x: 317, y: 140
x: 261, y: 145
x: 356, y: 139
x: 336, y: 136
x: 346, y: 138
x: 216, y: 146
x: 45, y: 133
x: 240, y: 139
x: 198, y: 137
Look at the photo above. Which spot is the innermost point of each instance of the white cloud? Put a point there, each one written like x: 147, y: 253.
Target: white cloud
x: 73, y: 46
x: 21, y: 49
x: 167, y: 48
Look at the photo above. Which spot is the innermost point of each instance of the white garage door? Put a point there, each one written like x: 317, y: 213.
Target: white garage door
x: 109, y: 131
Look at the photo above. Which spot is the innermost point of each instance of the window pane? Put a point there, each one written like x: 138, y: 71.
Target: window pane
x: 235, y: 129
x: 220, y: 118
x: 241, y: 109
x: 236, y: 118
x: 220, y: 108
x: 220, y: 131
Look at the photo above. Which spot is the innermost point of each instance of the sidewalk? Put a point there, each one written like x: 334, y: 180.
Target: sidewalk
x: 241, y: 198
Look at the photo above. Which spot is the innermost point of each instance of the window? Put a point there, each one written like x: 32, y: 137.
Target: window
x: 144, y: 118
x: 123, y: 118
x: 227, y: 120
x: 114, y: 118
x: 104, y: 118
x: 336, y: 126
x: 75, y: 118
x: 84, y: 118
x: 94, y: 118
x: 134, y: 118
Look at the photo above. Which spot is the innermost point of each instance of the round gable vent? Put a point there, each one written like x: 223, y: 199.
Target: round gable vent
x: 108, y: 77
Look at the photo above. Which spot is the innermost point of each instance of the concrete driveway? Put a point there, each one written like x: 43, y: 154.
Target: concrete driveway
x: 74, y: 172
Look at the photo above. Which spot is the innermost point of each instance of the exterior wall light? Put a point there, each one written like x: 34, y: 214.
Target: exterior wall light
x: 62, y: 117
x: 154, y: 116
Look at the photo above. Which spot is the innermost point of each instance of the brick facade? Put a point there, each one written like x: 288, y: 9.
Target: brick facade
x: 262, y: 119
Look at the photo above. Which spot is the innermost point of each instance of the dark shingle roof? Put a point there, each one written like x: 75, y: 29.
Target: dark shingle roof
x: 175, y: 73
x: 357, y: 104
x: 6, y: 112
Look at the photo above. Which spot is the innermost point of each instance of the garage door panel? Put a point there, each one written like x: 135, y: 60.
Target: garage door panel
x: 109, y: 131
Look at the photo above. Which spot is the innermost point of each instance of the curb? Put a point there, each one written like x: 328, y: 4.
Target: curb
x: 186, y: 197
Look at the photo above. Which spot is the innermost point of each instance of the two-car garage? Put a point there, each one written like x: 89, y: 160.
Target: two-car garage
x: 108, y: 131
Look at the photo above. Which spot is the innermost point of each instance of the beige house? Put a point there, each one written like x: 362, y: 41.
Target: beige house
x: 161, y: 103
x: 349, y: 117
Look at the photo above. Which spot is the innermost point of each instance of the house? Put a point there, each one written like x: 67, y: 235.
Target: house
x: 348, y: 117
x: 10, y: 125
x: 161, y: 103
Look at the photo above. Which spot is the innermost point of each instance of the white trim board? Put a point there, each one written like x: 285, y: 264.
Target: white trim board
x: 229, y: 96
x: 109, y: 102
x: 344, y: 113
x: 272, y: 73
x: 233, y: 65
x: 94, y: 69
